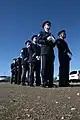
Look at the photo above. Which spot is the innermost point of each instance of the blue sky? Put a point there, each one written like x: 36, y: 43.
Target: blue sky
x: 20, y: 19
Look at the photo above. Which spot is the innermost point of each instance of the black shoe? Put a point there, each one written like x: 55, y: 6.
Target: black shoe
x: 55, y: 86
x: 38, y: 84
x: 31, y: 85
x: 44, y: 85
x: 19, y: 83
x: 50, y: 85
x: 23, y: 84
x: 11, y: 82
x: 15, y: 83
x: 67, y: 85
x: 27, y: 83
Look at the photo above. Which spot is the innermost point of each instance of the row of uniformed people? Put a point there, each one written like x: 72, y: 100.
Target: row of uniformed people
x: 31, y: 61
x: 16, y: 70
x: 45, y: 54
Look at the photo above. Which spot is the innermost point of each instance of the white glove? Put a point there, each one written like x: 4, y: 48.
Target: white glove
x: 25, y: 59
x: 70, y: 56
x: 51, y: 38
x: 38, y: 57
x: 28, y: 46
x: 33, y: 54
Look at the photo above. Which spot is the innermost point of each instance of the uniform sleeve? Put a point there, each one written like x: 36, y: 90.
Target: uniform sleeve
x: 67, y: 49
x: 30, y: 50
x: 22, y: 54
x: 57, y: 42
x: 38, y: 50
x: 11, y: 66
x: 40, y: 39
x: 54, y: 42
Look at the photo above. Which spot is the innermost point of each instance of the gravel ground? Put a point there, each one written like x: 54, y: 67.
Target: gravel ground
x: 26, y: 103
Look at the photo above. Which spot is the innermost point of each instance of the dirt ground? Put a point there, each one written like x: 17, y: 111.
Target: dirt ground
x: 36, y: 103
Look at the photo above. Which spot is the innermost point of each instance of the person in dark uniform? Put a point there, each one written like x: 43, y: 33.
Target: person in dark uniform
x: 64, y: 55
x: 19, y: 69
x: 34, y: 59
x: 46, y: 40
x: 25, y: 61
x: 13, y: 72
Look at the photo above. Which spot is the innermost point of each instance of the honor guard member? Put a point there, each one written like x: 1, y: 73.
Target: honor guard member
x: 13, y: 72
x: 34, y: 59
x: 25, y: 61
x: 64, y: 55
x: 46, y: 40
x: 19, y: 69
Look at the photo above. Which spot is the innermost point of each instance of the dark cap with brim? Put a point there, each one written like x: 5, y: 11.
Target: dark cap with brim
x: 62, y: 31
x: 14, y: 59
x: 46, y: 22
x: 27, y: 41
x: 18, y: 57
x: 33, y: 37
